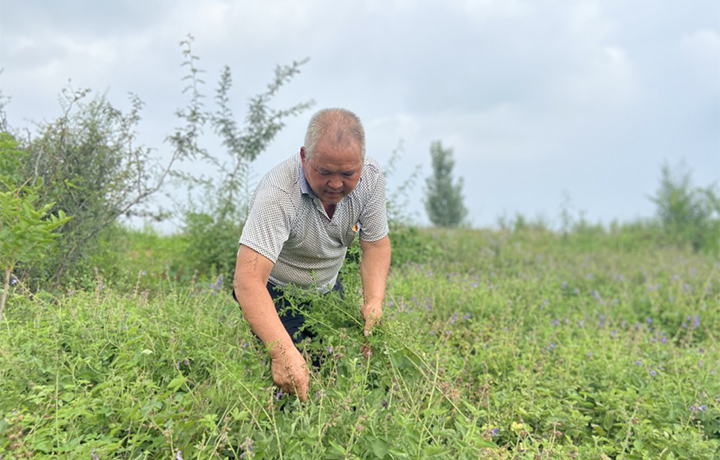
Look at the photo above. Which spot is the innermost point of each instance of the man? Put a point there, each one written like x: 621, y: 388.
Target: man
x: 304, y: 214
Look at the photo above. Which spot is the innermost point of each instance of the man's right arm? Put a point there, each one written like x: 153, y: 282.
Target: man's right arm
x: 289, y: 369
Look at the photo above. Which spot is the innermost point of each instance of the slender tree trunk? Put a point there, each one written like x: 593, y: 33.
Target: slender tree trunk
x: 3, y: 296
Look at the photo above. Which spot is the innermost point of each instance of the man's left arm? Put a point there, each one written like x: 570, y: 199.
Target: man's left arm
x: 374, y: 269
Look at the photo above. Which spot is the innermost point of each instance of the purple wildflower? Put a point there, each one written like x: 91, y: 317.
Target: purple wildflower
x: 93, y: 455
x: 178, y: 455
x: 13, y: 280
x: 466, y: 316
x: 454, y: 318
x: 247, y: 449
x: 279, y: 394
x: 648, y: 320
x: 653, y: 373
x: 638, y: 363
x: 696, y: 321
x: 494, y: 431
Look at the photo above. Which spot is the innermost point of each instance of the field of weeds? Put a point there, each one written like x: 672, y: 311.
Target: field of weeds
x: 493, y: 345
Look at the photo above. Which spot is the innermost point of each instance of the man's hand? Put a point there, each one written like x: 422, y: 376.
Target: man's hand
x: 288, y: 367
x: 372, y: 315
x: 373, y: 272
x: 289, y: 372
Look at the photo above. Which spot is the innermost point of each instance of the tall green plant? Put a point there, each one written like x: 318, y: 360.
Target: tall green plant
x: 26, y: 225
x: 218, y: 219
x: 688, y: 214
x: 443, y: 196
x: 96, y: 172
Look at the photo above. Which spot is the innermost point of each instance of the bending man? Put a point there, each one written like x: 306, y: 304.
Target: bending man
x: 303, y: 216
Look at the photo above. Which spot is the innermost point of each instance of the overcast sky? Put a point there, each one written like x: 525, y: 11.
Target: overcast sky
x: 541, y: 100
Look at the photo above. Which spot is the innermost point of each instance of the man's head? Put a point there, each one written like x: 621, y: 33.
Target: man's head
x: 333, y: 154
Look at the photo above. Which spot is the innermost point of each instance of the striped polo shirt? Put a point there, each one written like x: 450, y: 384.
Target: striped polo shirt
x: 288, y: 224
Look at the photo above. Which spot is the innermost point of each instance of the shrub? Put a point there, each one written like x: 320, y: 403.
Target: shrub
x: 213, y: 228
x: 26, y: 224
x: 688, y: 214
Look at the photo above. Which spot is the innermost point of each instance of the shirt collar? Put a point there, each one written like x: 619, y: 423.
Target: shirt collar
x: 304, y: 186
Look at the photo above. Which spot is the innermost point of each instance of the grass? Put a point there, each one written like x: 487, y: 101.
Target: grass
x: 498, y: 345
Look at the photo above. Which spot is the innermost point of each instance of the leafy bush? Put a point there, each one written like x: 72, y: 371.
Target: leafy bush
x: 688, y: 214
x: 94, y: 172
x: 211, y: 243
x: 26, y: 224
x: 213, y: 227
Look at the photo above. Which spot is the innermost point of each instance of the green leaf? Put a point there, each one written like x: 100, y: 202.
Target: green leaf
x: 176, y: 383
x: 379, y: 448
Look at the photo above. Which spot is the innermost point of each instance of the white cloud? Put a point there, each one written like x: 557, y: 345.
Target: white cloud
x: 546, y: 93
x: 703, y: 45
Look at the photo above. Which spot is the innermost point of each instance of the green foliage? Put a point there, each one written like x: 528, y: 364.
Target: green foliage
x: 213, y: 225
x: 443, y: 197
x: 688, y: 214
x: 94, y: 172
x: 505, y: 345
x: 212, y: 243
x: 26, y: 224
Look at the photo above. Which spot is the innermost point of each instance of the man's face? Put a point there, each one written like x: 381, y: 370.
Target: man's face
x: 333, y: 171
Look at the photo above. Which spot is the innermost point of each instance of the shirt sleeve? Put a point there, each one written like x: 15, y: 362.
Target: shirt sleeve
x: 373, y: 218
x: 269, y: 222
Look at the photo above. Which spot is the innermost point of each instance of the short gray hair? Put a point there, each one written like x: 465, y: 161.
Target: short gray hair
x: 336, y: 122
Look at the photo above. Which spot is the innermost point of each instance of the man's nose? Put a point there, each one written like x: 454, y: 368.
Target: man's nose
x: 335, y: 183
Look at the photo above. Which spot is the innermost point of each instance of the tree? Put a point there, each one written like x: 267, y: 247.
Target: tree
x: 443, y: 198
x: 688, y: 214
x: 213, y: 227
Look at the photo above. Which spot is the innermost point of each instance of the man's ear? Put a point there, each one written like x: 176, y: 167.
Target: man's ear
x: 302, y: 155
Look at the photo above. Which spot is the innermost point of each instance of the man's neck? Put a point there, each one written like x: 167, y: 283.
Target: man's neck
x: 329, y: 209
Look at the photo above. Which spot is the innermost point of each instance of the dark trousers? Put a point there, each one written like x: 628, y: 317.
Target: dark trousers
x: 292, y: 319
